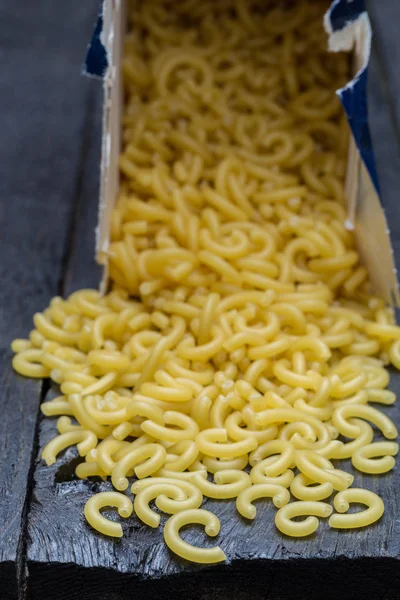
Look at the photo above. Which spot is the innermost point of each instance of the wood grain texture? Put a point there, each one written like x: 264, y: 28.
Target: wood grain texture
x: 42, y: 112
x: 384, y: 107
x: 385, y: 17
x: 68, y: 560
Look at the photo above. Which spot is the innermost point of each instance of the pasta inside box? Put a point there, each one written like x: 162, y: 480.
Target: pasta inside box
x: 252, y: 103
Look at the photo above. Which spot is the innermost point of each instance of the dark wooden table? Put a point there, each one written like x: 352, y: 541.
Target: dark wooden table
x: 49, y: 167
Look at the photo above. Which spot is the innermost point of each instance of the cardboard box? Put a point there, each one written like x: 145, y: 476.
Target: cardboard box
x: 348, y: 28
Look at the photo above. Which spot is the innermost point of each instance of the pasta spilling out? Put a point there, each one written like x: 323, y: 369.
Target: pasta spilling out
x: 240, y: 351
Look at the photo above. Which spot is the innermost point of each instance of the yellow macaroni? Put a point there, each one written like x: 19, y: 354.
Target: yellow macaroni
x: 361, y: 519
x: 185, y: 550
x: 240, y: 336
x: 284, y: 516
x: 103, y: 500
x: 279, y: 495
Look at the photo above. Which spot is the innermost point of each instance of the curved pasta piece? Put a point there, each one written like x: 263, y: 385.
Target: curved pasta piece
x: 64, y: 424
x: 85, y: 441
x: 214, y: 442
x: 366, y: 460
x: 159, y: 349
x: 284, y: 516
x: 257, y: 475
x: 331, y: 449
x: 146, y: 460
x: 123, y: 430
x: 19, y: 345
x: 104, y: 500
x: 381, y: 396
x: 107, y: 416
x: 193, y: 498
x: 278, y: 464
x: 315, y: 346
x: 324, y: 414
x: 364, y: 437
x: 185, y: 550
x: 144, y: 496
x: 166, y: 394
x: 360, y: 519
x: 298, y: 433
x: 168, y: 62
x: 139, y: 408
x: 82, y: 416
x: 188, y: 428
x: 108, y: 360
x: 57, y: 406
x: 105, y: 454
x: 29, y: 363
x: 304, y: 488
x: 279, y: 494
x: 319, y: 469
x: 181, y: 455
x: 204, y: 352
x: 228, y: 484
x: 141, y: 484
x: 291, y: 415
x: 341, y: 415
x: 89, y: 469
x: 309, y: 381
x: 237, y: 433
x: 213, y: 465
x: 184, y: 476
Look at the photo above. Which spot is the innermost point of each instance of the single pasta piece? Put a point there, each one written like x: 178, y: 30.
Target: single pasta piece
x: 228, y: 484
x: 145, y: 459
x: 85, y: 440
x: 104, y: 500
x: 304, y: 488
x: 280, y: 496
x: 366, y: 517
x: 365, y: 458
x: 284, y: 516
x: 183, y: 549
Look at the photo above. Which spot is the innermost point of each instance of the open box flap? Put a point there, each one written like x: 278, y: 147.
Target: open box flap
x: 103, y: 57
x: 348, y: 27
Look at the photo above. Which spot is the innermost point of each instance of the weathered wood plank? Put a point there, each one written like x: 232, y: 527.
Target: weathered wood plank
x: 53, y: 492
x: 262, y: 564
x: 42, y: 107
x: 385, y: 17
x: 385, y: 101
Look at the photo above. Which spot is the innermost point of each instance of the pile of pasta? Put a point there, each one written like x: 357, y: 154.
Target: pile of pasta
x: 240, y: 350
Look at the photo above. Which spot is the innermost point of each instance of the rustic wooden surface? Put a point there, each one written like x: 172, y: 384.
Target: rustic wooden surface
x: 49, y: 153
x: 43, y: 112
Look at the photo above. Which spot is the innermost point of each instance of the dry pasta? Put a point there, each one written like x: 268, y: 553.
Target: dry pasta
x: 240, y: 336
x: 103, y: 500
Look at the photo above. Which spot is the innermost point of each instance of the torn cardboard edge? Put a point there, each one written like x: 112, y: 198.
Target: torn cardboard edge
x: 103, y: 60
x: 349, y: 29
